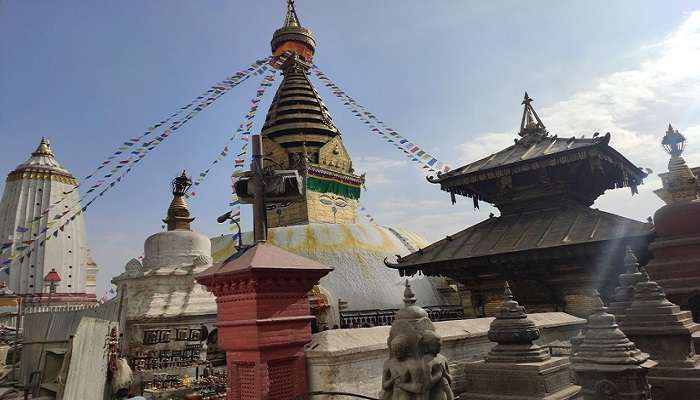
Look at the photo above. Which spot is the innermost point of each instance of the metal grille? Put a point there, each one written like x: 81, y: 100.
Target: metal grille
x: 281, y: 384
x: 369, y: 318
x: 246, y: 381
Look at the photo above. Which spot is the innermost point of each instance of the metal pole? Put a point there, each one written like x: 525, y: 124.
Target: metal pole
x: 18, y: 324
x: 259, y: 215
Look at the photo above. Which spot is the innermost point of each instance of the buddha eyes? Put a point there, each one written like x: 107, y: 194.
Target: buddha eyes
x: 327, y: 200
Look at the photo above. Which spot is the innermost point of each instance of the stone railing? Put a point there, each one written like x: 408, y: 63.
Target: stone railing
x: 350, y: 360
x: 32, y: 309
x: 370, y: 318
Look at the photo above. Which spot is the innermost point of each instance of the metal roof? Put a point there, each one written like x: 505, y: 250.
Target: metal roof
x: 540, y: 229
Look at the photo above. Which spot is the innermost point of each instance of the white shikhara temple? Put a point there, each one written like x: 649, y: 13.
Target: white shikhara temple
x: 33, y: 187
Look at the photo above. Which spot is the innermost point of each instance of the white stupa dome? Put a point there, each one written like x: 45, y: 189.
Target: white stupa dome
x: 175, y: 248
x: 356, y: 252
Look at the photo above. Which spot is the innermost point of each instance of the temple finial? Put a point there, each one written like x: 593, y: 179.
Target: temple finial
x: 631, y: 261
x: 506, y: 291
x: 291, y: 19
x: 44, y: 148
x: 530, y: 123
x: 598, y: 305
x: 178, y: 213
x: 409, y: 298
x: 673, y: 142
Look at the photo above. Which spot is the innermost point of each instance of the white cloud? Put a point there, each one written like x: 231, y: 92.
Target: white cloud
x: 635, y: 106
x: 379, y: 170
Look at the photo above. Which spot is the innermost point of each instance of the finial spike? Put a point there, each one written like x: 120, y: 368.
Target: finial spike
x: 178, y: 212
x: 598, y: 304
x: 44, y: 148
x: 409, y: 298
x: 507, y: 292
x: 673, y: 142
x: 530, y: 122
x: 631, y: 261
x: 291, y: 19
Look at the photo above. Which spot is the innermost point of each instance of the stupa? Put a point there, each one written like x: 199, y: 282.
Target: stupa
x: 168, y: 316
x: 606, y: 363
x: 625, y: 292
x: 32, y: 188
x: 676, y: 248
x: 299, y: 134
x: 661, y: 329
x: 516, y: 367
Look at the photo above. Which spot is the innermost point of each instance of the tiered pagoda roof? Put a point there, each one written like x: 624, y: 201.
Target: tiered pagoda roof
x: 543, y: 186
x: 297, y: 117
x: 510, y: 236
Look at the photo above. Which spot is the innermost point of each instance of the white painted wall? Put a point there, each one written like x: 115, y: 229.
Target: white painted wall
x: 22, y: 201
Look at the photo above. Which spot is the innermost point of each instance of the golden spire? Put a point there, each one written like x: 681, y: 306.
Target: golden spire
x: 292, y: 37
x: 178, y: 213
x: 531, y: 122
x: 291, y: 19
x: 44, y: 148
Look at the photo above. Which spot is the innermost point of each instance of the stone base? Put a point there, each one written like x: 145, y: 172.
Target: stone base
x: 546, y: 380
x: 627, y: 382
x: 674, y: 383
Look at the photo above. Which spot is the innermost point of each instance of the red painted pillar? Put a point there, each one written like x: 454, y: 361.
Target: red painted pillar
x: 263, y: 320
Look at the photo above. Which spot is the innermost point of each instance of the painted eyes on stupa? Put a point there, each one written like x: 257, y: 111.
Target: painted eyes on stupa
x: 340, y: 203
x: 329, y: 201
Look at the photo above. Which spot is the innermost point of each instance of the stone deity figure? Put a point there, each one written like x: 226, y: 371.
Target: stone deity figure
x: 403, y: 375
x: 415, y: 369
x: 436, y: 364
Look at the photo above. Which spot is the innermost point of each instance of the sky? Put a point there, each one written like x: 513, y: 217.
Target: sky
x: 448, y: 75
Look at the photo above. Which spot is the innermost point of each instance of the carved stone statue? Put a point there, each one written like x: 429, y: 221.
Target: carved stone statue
x: 440, y: 379
x: 415, y: 368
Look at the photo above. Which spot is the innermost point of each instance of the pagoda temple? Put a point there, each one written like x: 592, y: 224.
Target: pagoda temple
x: 547, y: 241
x: 299, y: 134
x: 37, y: 194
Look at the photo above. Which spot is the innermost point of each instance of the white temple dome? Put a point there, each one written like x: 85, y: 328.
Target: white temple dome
x: 177, y: 248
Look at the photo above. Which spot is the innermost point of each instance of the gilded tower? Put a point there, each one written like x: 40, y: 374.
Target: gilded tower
x: 299, y: 133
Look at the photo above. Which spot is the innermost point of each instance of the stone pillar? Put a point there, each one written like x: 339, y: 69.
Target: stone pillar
x: 264, y: 320
x: 515, y: 367
x: 607, y: 365
x: 625, y: 292
x: 661, y: 329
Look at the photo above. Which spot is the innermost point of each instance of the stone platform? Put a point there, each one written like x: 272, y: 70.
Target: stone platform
x: 351, y: 360
x: 545, y: 380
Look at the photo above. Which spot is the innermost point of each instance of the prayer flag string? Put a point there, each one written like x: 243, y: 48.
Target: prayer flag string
x: 367, y: 215
x: 412, y: 151
x: 239, y: 162
x: 138, y: 152
x: 240, y: 131
x: 127, y: 165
